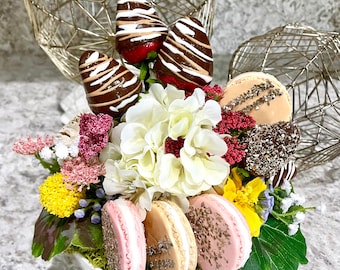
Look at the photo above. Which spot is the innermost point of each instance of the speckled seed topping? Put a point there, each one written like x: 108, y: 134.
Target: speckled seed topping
x: 253, y: 94
x: 152, y: 252
x: 110, y: 243
x: 211, y: 233
x: 269, y: 147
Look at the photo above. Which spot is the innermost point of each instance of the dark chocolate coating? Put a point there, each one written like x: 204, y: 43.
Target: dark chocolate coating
x: 186, y: 54
x: 110, y: 87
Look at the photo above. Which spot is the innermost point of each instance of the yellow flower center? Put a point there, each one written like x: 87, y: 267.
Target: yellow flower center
x: 243, y: 196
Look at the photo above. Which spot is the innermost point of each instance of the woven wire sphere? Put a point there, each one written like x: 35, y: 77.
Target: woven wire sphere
x: 64, y: 29
x: 307, y: 62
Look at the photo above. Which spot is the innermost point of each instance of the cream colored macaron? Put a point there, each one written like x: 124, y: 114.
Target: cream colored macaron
x: 260, y: 95
x: 170, y: 240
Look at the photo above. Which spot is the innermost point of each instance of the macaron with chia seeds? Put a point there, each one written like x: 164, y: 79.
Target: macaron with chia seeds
x: 222, y: 235
x: 170, y: 240
x: 260, y: 95
x: 123, y: 235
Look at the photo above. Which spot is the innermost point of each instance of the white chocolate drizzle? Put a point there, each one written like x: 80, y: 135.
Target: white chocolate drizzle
x: 124, y: 103
x: 138, y: 24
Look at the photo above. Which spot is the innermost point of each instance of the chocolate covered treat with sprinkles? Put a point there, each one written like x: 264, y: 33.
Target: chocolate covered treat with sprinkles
x: 269, y: 147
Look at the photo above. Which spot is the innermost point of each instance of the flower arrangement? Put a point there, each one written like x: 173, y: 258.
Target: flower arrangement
x: 173, y: 144
x: 169, y: 145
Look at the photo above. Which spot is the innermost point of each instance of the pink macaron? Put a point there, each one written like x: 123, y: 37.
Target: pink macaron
x: 123, y: 233
x: 222, y: 235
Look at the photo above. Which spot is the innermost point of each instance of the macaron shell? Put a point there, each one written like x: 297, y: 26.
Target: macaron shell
x: 123, y: 233
x: 170, y: 240
x: 276, y: 108
x: 222, y: 234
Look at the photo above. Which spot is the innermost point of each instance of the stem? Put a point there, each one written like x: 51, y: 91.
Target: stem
x: 52, y: 167
x: 279, y: 217
x: 277, y: 197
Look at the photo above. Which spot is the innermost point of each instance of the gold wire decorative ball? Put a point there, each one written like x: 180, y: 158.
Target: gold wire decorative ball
x: 64, y: 29
x: 307, y: 62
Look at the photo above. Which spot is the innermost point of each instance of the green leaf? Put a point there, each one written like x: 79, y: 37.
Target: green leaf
x: 153, y: 80
x: 52, y: 235
x: 144, y: 71
x: 87, y: 235
x: 274, y: 249
x: 151, y: 56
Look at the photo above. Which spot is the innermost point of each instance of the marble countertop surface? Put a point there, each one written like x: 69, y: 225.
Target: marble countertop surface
x: 31, y: 90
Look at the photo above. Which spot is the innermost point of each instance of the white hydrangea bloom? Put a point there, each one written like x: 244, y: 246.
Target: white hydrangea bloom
x: 128, y: 184
x: 158, y: 116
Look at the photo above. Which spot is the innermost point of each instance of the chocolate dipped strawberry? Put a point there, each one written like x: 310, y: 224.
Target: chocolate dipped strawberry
x: 185, y: 58
x: 110, y: 87
x: 139, y: 30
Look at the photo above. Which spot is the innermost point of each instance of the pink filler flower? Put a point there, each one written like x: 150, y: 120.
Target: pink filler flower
x: 94, y: 134
x: 32, y: 146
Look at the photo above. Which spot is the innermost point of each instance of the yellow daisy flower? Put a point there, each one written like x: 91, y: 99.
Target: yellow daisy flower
x: 57, y: 199
x: 245, y: 198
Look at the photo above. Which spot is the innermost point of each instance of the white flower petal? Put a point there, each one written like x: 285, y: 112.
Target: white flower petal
x: 46, y: 153
x: 146, y: 165
x: 197, y: 98
x: 61, y: 151
x: 169, y: 172
x: 209, y: 142
x: 146, y: 112
x: 156, y: 135
x: 212, y: 170
x: 179, y: 124
x: 210, y: 115
x: 132, y: 139
x: 166, y: 96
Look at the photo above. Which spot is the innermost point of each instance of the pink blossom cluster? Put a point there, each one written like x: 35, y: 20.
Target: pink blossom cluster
x: 78, y: 171
x: 94, y: 134
x: 235, y: 152
x: 213, y: 92
x: 234, y: 123
x: 174, y: 146
x: 32, y: 146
